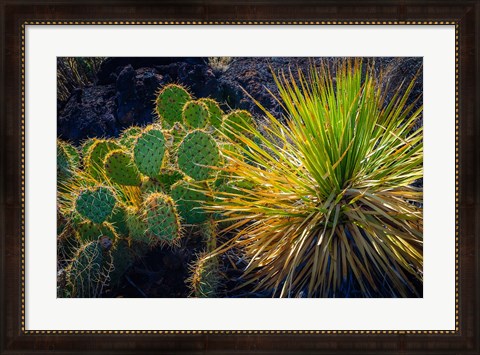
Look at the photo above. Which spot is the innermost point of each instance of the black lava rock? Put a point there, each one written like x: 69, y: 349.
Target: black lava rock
x: 125, y: 91
x: 90, y: 112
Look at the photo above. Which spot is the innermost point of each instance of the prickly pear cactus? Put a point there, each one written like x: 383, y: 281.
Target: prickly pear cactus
x: 117, y: 220
x: 236, y: 122
x: 150, y: 185
x: 67, y: 160
x: 149, y: 151
x: 189, y: 200
x: 170, y: 102
x: 168, y: 177
x: 195, y: 114
x: 215, y: 112
x: 197, y: 153
x: 163, y: 222
x: 129, y: 137
x: 209, y: 230
x: 85, y: 275
x: 137, y: 227
x: 205, y: 279
x: 178, y: 132
x: 73, y: 154
x: 135, y: 224
x: 86, y: 146
x: 95, y: 204
x: 95, y: 157
x: 121, y: 169
x: 88, y: 231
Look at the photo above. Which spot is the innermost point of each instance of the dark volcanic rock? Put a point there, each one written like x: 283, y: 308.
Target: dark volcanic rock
x: 106, y: 110
x: 125, y: 90
x: 135, y: 96
x: 111, y: 67
x: 198, y: 77
x: 88, y: 113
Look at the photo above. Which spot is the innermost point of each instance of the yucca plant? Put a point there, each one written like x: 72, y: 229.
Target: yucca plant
x: 333, y: 211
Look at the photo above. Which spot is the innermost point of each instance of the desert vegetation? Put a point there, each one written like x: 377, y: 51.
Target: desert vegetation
x: 322, y: 200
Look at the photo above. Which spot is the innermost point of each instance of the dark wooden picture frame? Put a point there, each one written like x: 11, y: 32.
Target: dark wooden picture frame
x: 464, y: 14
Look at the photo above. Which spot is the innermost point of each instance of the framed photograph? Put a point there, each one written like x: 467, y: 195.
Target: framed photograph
x: 217, y: 177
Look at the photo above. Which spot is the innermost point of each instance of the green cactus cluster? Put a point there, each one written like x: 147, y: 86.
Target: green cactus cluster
x: 146, y: 188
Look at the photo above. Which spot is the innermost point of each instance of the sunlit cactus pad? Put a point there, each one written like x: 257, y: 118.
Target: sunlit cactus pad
x: 88, y: 231
x: 95, y: 204
x: 205, y: 279
x: 95, y: 156
x: 188, y: 199
x: 136, y: 226
x: 162, y: 220
x: 68, y: 160
x: 121, y: 169
x: 129, y: 136
x: 197, y: 154
x: 215, y: 112
x: 149, y: 151
x: 195, y: 114
x: 84, y: 274
x: 170, y: 102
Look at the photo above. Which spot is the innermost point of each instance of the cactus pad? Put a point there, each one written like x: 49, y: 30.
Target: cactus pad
x: 215, y: 112
x: 86, y: 146
x: 95, y: 204
x: 189, y: 201
x: 120, y: 168
x: 72, y: 153
x: 85, y: 274
x: 168, y: 177
x: 163, y: 222
x: 149, y: 151
x: 67, y: 160
x: 137, y: 227
x: 151, y: 185
x: 88, y: 231
x: 205, y: 279
x: 117, y: 220
x: 170, y: 102
x: 95, y: 157
x: 195, y: 114
x: 129, y: 137
x: 197, y: 153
